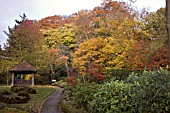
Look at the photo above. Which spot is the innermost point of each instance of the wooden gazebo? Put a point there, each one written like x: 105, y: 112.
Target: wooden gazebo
x: 22, y: 68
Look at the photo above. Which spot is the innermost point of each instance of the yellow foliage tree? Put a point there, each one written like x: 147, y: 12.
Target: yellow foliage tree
x: 109, y: 53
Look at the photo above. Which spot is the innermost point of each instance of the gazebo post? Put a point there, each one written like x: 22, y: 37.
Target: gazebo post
x: 22, y: 68
x: 12, y: 82
x: 32, y: 79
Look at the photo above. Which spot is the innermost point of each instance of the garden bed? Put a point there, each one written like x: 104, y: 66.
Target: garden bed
x: 34, y: 103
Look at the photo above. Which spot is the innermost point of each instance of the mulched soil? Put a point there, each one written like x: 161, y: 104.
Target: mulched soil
x: 51, y: 103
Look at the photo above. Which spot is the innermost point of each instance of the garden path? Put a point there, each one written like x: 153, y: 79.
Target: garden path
x: 51, y: 103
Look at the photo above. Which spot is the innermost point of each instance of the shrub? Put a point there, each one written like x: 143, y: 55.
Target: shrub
x: 111, y: 97
x: 60, y: 84
x: 5, y: 92
x: 10, y: 99
x: 146, y: 92
x: 0, y: 95
x: 31, y: 90
x: 71, y: 81
x: 151, y: 91
x: 83, y: 94
x: 21, y: 99
x: 43, y: 80
x: 17, y: 89
x: 25, y: 94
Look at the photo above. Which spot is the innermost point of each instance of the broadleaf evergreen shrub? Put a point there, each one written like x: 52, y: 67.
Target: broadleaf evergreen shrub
x: 83, y: 94
x: 144, y: 92
x: 112, y: 97
x: 151, y: 91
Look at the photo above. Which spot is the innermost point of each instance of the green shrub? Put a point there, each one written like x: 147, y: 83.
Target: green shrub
x: 31, y: 90
x: 17, y: 89
x: 112, y: 97
x: 0, y: 95
x: 146, y: 92
x: 13, y: 99
x: 20, y: 99
x: 151, y: 92
x: 83, y: 94
x: 60, y: 84
x: 6, y: 92
x: 10, y: 99
x: 25, y: 94
x: 43, y: 80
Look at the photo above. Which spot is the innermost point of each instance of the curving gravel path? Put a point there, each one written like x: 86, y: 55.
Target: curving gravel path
x: 51, y: 103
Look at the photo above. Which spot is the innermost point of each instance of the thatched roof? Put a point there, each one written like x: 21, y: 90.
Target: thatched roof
x: 23, y: 67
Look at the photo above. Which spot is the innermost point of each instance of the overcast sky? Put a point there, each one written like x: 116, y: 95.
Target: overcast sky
x: 37, y: 9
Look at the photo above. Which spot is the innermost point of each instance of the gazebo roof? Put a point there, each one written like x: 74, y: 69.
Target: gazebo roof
x: 23, y: 68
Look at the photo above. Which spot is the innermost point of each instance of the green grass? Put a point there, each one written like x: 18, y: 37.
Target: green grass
x: 2, y: 87
x: 11, y: 110
x: 36, y: 99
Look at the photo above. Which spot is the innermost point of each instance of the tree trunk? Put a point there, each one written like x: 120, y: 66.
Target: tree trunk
x: 168, y: 27
x: 66, y: 64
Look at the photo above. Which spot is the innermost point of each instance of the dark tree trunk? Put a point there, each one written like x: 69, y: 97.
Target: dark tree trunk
x: 168, y: 26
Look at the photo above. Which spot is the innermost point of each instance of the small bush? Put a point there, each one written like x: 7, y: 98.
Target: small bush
x: 21, y: 99
x: 31, y: 90
x: 71, y: 81
x: 17, y: 89
x: 0, y: 95
x: 10, y: 99
x: 25, y: 94
x: 83, y: 94
x: 5, y: 92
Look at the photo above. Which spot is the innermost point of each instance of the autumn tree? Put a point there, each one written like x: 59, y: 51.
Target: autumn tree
x: 64, y: 35
x: 84, y: 22
x: 159, y: 58
x: 25, y: 42
x: 167, y: 25
x: 52, y: 22
x: 136, y: 57
x: 109, y: 16
x: 109, y: 53
x: 155, y: 25
x: 88, y: 53
x: 59, y: 58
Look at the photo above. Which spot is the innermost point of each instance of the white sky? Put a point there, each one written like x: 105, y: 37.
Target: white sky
x: 37, y: 9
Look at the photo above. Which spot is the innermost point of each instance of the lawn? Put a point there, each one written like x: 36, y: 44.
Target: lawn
x: 3, y: 87
x: 36, y: 99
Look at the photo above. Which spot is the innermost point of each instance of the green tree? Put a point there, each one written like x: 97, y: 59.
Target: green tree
x: 25, y: 42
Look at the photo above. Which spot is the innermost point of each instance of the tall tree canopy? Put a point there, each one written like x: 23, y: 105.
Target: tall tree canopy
x: 25, y: 42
